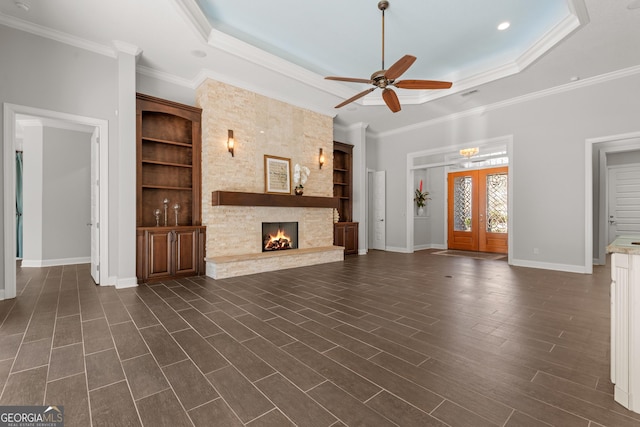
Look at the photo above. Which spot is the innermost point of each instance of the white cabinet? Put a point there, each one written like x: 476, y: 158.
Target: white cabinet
x: 625, y: 329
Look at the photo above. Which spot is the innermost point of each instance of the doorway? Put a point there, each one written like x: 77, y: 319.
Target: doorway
x: 477, y: 210
x: 623, y: 201
x: 11, y: 114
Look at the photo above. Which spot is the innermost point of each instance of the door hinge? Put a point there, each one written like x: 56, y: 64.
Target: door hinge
x: 98, y: 267
x: 97, y: 225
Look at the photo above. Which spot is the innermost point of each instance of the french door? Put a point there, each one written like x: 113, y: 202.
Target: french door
x: 477, y: 210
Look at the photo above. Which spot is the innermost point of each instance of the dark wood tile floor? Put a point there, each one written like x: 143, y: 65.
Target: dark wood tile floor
x: 383, y: 339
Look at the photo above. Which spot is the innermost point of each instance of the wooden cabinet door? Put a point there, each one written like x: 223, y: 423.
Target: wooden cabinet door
x: 346, y: 234
x: 159, y: 253
x: 338, y: 234
x: 186, y: 252
x: 351, y: 238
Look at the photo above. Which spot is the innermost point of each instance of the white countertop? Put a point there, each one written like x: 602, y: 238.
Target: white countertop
x: 625, y: 245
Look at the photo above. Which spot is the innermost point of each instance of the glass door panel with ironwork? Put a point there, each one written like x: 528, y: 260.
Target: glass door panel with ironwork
x: 477, y: 210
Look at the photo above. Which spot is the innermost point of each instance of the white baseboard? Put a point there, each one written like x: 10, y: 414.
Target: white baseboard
x: 55, y: 262
x: 129, y: 282
x: 429, y: 246
x: 1, y: 294
x: 397, y: 249
x: 549, y: 266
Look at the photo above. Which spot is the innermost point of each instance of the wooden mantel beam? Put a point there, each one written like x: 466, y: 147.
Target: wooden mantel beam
x: 237, y: 198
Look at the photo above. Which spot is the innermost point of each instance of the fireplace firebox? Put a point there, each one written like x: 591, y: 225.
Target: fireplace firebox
x: 277, y: 236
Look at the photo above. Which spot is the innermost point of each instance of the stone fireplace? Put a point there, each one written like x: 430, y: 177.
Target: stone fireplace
x: 262, y: 126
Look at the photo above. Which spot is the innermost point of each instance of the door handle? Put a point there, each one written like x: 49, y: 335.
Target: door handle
x: 89, y: 224
x: 381, y: 220
x: 612, y: 221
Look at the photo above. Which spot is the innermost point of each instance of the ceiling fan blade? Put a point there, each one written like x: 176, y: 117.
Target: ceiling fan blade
x: 349, y: 79
x: 422, y: 84
x: 353, y: 98
x: 391, y: 99
x: 400, y: 66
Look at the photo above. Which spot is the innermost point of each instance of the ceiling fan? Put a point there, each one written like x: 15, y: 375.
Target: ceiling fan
x: 387, y: 77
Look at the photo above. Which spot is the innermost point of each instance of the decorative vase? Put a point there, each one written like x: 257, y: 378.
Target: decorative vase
x: 420, y: 211
x: 298, y: 191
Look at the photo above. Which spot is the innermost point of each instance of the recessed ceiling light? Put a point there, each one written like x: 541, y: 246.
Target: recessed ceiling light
x: 23, y: 6
x: 504, y: 25
x: 199, y: 53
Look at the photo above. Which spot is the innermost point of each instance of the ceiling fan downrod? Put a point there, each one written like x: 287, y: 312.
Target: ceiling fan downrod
x: 383, y: 5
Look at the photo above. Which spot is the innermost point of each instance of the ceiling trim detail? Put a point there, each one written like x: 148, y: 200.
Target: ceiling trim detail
x: 518, y: 100
x: 191, y: 11
x: 58, y: 36
x: 257, y: 56
x: 538, y: 49
x: 248, y: 52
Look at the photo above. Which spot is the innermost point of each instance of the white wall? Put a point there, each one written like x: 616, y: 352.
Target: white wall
x: 32, y: 198
x: 165, y: 90
x: 44, y: 74
x: 66, y: 202
x: 429, y: 230
x: 547, y: 163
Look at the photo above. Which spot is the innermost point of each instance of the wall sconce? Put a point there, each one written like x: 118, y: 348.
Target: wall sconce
x: 231, y: 142
x: 321, y: 159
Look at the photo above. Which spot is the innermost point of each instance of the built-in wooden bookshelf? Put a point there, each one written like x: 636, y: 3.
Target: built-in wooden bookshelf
x: 342, y: 179
x: 345, y: 232
x: 168, y: 138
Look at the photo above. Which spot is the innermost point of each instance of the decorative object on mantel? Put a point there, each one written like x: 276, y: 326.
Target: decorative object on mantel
x: 420, y: 198
x: 166, y: 207
x: 231, y: 142
x: 321, y: 158
x: 336, y: 216
x: 176, y: 208
x: 277, y: 175
x: 157, y: 212
x: 300, y: 175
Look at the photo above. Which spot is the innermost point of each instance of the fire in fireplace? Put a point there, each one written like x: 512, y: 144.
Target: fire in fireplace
x: 279, y: 236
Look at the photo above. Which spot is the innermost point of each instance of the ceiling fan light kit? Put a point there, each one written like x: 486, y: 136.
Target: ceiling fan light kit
x: 385, y: 78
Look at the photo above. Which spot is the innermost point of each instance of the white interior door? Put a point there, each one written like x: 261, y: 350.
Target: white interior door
x: 379, y: 202
x: 94, y: 221
x: 623, y: 201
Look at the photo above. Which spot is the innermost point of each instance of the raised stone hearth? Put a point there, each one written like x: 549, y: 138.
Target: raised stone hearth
x: 240, y: 265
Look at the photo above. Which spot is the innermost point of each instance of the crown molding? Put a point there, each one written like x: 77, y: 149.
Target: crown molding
x: 257, y: 56
x: 58, y: 36
x: 614, y: 75
x: 549, y: 40
x: 538, y: 49
x: 206, y: 74
x: 167, y: 77
x: 192, y: 13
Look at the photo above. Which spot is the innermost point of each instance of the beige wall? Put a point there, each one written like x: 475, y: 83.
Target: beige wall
x: 261, y: 126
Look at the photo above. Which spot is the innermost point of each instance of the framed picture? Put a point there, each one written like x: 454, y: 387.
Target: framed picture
x: 277, y: 175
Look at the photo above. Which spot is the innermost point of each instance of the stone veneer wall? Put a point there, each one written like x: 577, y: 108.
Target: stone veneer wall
x: 261, y: 126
